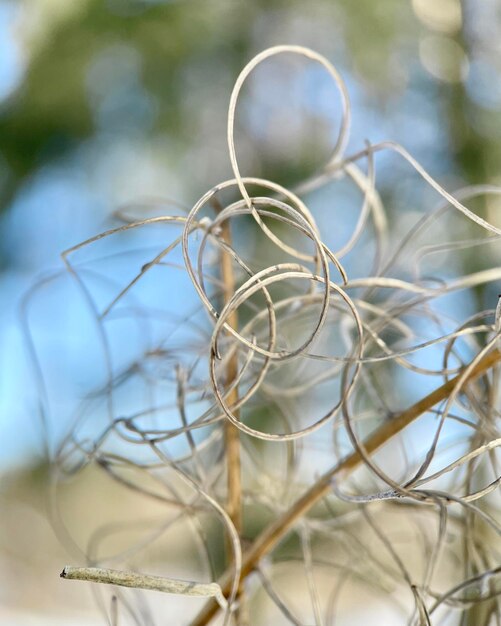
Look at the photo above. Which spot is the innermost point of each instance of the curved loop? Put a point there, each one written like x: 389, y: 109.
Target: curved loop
x: 259, y: 58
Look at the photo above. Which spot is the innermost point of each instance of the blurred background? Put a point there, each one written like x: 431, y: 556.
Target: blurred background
x: 108, y: 103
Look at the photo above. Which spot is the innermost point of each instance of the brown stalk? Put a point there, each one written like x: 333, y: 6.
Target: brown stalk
x: 232, y: 434
x: 277, y: 530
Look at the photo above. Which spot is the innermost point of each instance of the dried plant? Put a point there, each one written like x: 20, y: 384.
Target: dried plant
x: 292, y: 362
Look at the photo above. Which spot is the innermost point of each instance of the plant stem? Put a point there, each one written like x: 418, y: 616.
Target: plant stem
x: 232, y: 434
x: 277, y: 530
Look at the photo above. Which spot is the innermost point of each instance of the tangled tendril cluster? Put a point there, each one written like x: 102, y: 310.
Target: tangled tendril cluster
x: 294, y: 348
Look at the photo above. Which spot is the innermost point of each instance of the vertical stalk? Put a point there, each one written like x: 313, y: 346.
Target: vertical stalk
x: 232, y: 434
